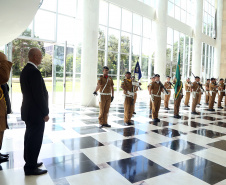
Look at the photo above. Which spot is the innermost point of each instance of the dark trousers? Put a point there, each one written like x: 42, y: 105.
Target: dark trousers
x: 32, y: 143
x: 1, y: 138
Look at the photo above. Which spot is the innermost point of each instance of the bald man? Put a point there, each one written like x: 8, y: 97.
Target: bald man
x: 34, y: 111
x: 5, y: 67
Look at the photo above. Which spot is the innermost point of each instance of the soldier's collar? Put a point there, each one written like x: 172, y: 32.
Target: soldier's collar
x: 129, y: 80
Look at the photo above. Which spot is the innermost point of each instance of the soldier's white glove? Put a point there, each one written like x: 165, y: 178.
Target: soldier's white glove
x: 130, y: 93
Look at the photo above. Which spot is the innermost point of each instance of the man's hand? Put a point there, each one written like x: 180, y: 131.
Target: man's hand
x: 46, y: 118
x: 112, y: 98
x: 95, y: 93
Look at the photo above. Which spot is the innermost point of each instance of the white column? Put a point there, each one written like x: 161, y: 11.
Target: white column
x: 217, y: 49
x: 197, y: 41
x: 161, y: 38
x: 89, y: 51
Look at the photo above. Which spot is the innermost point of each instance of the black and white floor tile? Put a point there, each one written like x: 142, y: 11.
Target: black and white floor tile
x: 75, y: 151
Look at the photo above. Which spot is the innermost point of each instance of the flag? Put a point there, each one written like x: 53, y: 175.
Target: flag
x: 137, y: 70
x: 178, y: 82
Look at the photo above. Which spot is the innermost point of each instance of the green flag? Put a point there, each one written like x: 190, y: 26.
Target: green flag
x: 178, y: 82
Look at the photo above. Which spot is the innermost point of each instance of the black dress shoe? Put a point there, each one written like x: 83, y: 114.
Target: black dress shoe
x: 105, y: 125
x: 195, y: 113
x: 134, y: 113
x: 167, y: 108
x: 4, y: 155
x: 35, y: 172
x: 187, y: 106
x: 199, y: 104
x: 211, y: 109
x: 39, y: 164
x: 129, y: 123
x: 156, y: 120
x: 220, y: 107
x: 3, y: 159
x: 177, y: 116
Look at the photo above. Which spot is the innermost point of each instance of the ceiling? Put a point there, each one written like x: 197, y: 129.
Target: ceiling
x: 15, y: 17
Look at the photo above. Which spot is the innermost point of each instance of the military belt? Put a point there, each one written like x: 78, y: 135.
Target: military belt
x: 105, y: 93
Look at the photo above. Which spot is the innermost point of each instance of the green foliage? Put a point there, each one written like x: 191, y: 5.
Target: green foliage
x: 46, y: 65
x: 69, y: 63
x: 20, y: 51
x: 113, y: 53
x: 175, y: 56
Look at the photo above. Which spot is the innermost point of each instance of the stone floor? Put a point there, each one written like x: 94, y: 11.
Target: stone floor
x: 75, y: 151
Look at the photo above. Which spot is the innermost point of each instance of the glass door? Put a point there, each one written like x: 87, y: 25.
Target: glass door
x: 58, y: 75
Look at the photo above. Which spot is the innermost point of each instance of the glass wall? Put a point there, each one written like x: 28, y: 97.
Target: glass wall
x: 208, y: 27
x: 55, y: 22
x: 207, y: 62
x: 178, y: 42
x: 124, y: 38
x: 181, y: 10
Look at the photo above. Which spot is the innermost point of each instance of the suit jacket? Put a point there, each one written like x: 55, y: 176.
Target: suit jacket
x: 5, y: 89
x: 35, y: 96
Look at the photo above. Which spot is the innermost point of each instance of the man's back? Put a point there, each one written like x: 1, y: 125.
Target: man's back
x: 35, y: 95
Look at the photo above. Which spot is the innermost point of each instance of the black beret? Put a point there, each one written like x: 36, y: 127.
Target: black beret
x: 197, y: 77
x: 212, y: 79
x: 105, y: 67
x: 128, y: 73
x: 157, y: 75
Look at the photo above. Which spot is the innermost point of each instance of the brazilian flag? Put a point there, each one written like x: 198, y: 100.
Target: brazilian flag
x: 178, y: 82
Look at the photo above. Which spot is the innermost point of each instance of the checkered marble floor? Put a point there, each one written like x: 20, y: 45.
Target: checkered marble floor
x: 75, y: 151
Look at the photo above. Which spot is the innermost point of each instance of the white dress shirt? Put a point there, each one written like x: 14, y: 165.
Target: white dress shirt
x: 32, y: 64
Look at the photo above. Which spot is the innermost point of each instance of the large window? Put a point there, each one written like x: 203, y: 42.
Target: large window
x: 181, y: 10
x: 125, y: 38
x: 178, y: 43
x: 207, y: 61
x: 56, y: 21
x: 209, y: 17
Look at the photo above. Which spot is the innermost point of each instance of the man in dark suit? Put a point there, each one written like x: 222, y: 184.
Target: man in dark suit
x: 34, y: 111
